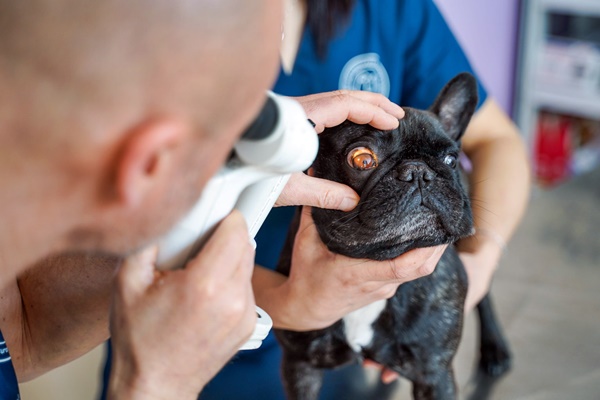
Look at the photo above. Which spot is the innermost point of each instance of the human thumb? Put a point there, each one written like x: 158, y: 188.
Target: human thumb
x: 306, y: 190
x: 137, y: 272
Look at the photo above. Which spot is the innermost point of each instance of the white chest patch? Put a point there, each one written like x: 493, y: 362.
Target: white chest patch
x: 357, y: 325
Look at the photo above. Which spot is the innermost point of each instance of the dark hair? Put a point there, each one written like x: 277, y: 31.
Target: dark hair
x: 324, y: 18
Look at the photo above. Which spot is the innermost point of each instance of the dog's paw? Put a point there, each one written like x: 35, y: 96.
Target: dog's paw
x: 495, y: 359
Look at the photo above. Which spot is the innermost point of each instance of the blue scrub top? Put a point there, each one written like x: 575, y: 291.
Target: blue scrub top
x: 9, y: 387
x: 400, y: 48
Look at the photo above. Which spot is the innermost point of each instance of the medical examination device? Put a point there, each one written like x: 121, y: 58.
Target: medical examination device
x: 279, y: 142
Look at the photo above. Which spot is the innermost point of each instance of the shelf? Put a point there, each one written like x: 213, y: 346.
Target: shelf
x: 578, y: 6
x: 585, y: 106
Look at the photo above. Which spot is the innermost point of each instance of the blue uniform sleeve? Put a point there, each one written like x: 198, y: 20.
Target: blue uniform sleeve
x: 432, y: 55
x: 9, y: 388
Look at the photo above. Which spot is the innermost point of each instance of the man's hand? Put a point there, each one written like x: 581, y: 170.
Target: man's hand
x: 172, y: 331
x: 323, y: 286
x: 327, y: 110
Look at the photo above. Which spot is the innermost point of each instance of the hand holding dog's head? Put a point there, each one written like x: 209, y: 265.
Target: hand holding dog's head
x: 408, y: 179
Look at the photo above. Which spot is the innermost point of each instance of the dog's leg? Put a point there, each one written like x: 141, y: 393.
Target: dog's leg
x: 301, y: 380
x: 495, y: 355
x: 438, y: 386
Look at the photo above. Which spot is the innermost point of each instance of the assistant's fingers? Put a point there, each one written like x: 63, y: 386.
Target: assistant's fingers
x: 345, y: 107
x: 361, y: 112
x: 306, y: 190
x: 332, y: 108
x: 379, y: 100
x: 376, y: 99
x: 388, y: 376
x: 408, y: 266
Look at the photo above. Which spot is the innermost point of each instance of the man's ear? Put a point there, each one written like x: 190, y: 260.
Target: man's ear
x: 145, y: 157
x: 456, y: 103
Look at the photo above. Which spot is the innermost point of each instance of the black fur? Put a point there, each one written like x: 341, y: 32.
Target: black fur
x: 413, y: 198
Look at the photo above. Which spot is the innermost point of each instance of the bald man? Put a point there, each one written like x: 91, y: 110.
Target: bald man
x: 113, y: 116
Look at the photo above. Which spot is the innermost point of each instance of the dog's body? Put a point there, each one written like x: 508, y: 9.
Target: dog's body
x: 411, y: 196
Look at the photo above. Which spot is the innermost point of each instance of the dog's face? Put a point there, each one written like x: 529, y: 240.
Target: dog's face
x: 408, y: 179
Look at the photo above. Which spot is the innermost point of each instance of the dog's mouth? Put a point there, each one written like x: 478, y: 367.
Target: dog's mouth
x: 384, y: 247
x: 386, y: 230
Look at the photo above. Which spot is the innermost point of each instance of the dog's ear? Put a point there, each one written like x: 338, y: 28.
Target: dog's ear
x: 456, y: 104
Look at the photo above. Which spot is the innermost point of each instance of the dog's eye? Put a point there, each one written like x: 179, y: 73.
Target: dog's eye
x: 362, y: 158
x: 450, y: 160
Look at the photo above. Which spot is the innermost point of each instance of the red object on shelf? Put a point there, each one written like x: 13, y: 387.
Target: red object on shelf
x: 552, y: 148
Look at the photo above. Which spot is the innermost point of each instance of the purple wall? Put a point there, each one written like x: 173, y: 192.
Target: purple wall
x: 487, y: 31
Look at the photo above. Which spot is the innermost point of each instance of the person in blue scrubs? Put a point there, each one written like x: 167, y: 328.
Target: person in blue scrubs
x: 404, y: 50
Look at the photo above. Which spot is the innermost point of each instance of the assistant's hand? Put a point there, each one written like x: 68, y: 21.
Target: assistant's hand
x: 330, y: 109
x: 173, y: 330
x: 303, y: 189
x: 323, y: 286
x: 327, y: 110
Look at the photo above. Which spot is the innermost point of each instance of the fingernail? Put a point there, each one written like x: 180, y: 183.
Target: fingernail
x: 394, y: 120
x: 348, y: 203
x: 395, y: 110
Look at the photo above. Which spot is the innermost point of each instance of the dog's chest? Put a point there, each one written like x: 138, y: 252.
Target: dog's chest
x: 358, y: 325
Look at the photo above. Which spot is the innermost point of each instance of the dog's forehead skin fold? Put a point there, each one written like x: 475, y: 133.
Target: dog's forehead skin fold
x: 424, y: 134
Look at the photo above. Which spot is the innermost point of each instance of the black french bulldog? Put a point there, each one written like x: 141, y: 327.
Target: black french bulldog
x: 411, y: 196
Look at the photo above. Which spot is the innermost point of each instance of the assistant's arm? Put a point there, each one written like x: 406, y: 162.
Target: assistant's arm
x: 499, y: 191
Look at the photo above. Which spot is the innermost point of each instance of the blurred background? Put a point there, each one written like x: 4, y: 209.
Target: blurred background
x: 541, y: 60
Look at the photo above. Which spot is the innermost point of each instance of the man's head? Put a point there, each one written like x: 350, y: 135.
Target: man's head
x: 115, y: 113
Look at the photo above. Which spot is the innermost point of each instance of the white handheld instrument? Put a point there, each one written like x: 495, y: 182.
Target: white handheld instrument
x: 279, y: 142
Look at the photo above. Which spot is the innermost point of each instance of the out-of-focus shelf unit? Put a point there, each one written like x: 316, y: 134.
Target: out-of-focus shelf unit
x: 557, y: 104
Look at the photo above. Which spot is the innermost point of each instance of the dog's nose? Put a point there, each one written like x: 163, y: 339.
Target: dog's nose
x: 415, y: 172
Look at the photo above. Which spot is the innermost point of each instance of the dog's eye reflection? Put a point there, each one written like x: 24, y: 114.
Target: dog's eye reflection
x: 450, y: 161
x: 362, y: 158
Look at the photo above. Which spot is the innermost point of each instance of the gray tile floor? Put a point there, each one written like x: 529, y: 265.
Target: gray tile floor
x: 547, y: 294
